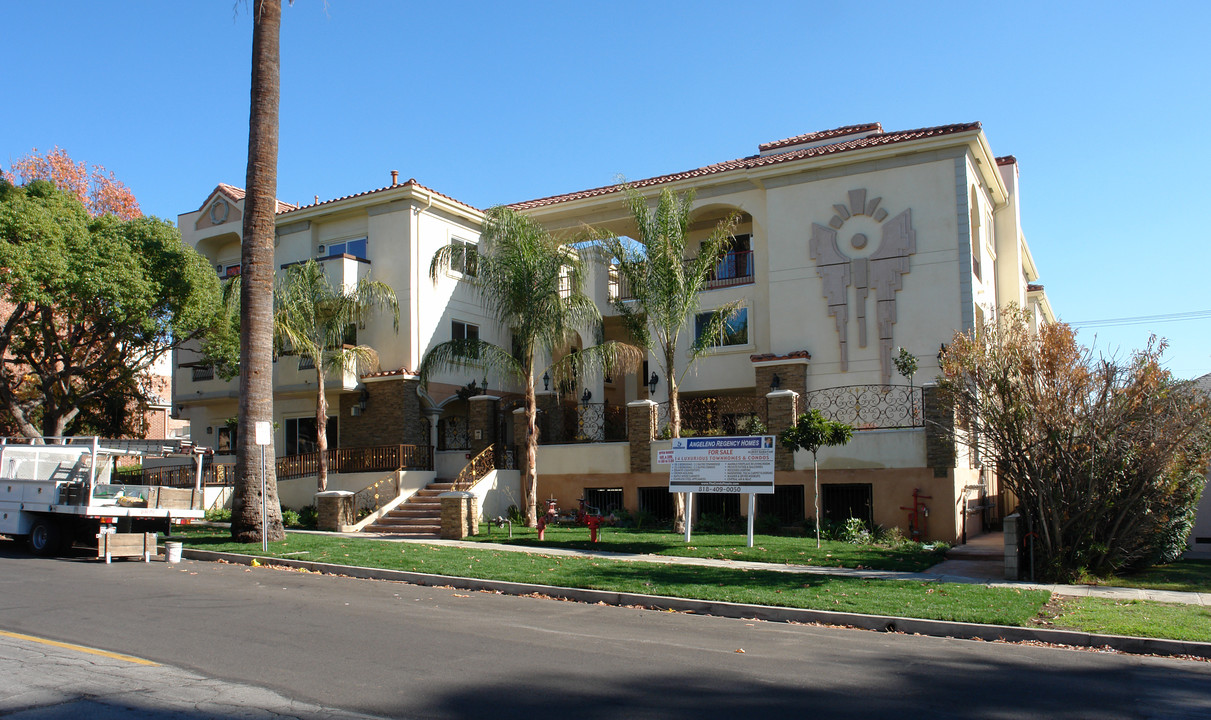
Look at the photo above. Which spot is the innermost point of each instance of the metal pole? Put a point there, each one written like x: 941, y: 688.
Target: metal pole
x: 264, y: 523
x: 752, y: 511
x: 689, y: 513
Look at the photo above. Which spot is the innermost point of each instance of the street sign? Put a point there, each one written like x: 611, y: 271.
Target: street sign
x: 723, y: 465
x: 264, y: 432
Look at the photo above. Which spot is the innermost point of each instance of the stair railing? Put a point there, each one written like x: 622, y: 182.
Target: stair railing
x: 374, y: 496
x: 477, y: 469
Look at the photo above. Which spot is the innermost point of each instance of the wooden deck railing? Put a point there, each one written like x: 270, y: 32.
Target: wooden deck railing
x: 371, y: 459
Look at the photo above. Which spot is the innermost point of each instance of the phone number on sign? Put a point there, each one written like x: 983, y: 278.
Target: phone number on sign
x: 720, y: 489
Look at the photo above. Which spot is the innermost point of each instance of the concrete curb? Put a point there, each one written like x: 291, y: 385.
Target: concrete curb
x: 883, y: 623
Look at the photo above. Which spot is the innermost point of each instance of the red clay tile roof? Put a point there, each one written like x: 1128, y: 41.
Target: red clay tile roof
x: 237, y: 194
x: 1006, y: 160
x: 770, y: 357
x: 757, y: 161
x: 822, y: 135
x: 411, y: 181
x: 1031, y: 287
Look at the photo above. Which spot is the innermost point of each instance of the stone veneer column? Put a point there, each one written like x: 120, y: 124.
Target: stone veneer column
x: 939, y: 430
x: 641, y: 430
x: 459, y: 515
x: 791, y: 370
x: 783, y: 413
x: 481, y: 421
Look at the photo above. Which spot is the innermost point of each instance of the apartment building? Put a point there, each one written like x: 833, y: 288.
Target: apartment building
x: 851, y: 244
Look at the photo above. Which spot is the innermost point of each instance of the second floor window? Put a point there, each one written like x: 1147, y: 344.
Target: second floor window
x: 356, y: 248
x: 463, y: 331
x: 735, y: 330
x: 468, y: 263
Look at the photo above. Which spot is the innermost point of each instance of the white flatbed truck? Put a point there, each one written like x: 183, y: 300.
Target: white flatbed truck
x: 56, y: 492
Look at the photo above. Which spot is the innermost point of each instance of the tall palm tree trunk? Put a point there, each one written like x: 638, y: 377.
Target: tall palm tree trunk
x: 675, y: 431
x: 321, y: 424
x: 529, y: 487
x: 256, y: 293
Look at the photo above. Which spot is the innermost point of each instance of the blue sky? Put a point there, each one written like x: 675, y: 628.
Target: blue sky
x: 1104, y: 104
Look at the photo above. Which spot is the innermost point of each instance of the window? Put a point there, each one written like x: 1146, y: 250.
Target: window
x: 975, y: 234
x: 227, y: 271
x: 356, y: 248
x: 226, y: 440
x: 735, y: 330
x: 468, y: 263
x: 301, y: 437
x: 460, y: 330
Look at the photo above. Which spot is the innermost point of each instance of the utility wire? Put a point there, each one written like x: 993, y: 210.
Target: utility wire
x: 1145, y: 319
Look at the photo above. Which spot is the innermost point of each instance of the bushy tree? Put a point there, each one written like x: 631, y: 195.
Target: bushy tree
x: 811, y: 432
x: 664, y: 286
x: 90, y: 303
x: 1107, y: 457
x: 97, y: 190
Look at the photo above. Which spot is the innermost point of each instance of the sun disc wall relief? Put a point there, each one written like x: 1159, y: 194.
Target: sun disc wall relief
x: 883, y: 269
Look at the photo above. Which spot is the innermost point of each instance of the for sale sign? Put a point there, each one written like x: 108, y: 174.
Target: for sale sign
x: 723, y: 465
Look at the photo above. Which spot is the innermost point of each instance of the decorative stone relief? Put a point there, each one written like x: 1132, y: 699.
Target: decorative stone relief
x: 882, y: 270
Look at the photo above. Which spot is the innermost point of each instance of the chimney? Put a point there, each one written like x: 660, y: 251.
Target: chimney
x: 394, y: 178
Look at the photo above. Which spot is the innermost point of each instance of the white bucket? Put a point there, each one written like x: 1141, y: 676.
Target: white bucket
x: 172, y: 552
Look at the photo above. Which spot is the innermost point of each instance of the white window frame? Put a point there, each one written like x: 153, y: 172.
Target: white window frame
x: 748, y: 332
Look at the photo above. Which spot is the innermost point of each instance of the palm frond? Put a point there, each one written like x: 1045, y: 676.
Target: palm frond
x: 469, y: 353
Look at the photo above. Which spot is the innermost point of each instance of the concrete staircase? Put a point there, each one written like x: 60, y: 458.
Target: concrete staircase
x: 419, y: 516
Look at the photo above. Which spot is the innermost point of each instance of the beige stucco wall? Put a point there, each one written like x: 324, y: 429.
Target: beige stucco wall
x: 872, y: 449
x: 496, y: 492
x: 594, y: 458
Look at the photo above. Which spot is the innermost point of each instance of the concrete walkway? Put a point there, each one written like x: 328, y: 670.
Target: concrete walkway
x: 952, y: 576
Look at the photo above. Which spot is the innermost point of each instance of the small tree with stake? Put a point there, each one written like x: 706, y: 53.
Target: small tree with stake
x: 812, y: 432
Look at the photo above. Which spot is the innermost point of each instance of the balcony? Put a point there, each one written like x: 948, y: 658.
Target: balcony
x: 733, y: 268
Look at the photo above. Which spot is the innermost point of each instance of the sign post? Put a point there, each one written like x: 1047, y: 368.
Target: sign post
x: 264, y: 436
x: 723, y: 465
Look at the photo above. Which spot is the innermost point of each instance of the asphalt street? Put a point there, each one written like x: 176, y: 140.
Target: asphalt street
x: 398, y: 650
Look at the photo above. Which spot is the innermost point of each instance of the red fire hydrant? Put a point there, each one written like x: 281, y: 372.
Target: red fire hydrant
x: 548, y: 518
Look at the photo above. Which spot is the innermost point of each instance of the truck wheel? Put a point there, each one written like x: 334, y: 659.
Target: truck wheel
x: 45, y: 538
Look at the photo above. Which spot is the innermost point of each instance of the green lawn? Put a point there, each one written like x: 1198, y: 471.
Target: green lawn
x: 1183, y: 575
x: 1140, y: 618
x: 931, y: 600
x: 781, y: 550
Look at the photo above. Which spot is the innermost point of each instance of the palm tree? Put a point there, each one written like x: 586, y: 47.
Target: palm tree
x: 256, y: 297
x: 664, y: 287
x: 520, y: 270
x: 312, y: 319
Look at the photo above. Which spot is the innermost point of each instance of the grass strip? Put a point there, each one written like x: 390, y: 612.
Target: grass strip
x: 1183, y: 576
x: 1140, y: 618
x: 928, y: 600
x: 778, y: 549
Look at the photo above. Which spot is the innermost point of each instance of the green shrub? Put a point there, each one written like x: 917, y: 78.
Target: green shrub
x: 515, y: 515
x: 218, y: 515
x: 767, y: 525
x: 290, y: 518
x: 854, y: 531
x: 309, y: 517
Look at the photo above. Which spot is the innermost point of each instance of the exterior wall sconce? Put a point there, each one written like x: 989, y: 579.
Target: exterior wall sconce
x: 361, y: 400
x: 210, y: 430
x: 546, y: 381
x: 775, y: 382
x: 653, y: 381
x: 587, y: 396
x: 941, y: 352
x: 485, y: 384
